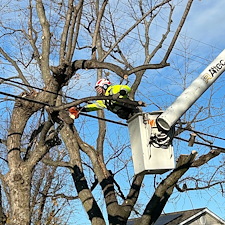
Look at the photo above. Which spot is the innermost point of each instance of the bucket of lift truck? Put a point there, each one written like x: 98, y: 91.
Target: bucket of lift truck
x: 152, y: 152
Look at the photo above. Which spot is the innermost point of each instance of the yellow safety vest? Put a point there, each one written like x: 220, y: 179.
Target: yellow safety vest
x: 102, y: 104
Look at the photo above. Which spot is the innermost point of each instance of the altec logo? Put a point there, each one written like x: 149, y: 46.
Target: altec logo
x: 217, y: 67
x: 213, y: 70
x: 206, y: 77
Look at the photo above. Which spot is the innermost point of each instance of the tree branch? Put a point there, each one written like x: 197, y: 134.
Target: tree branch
x: 60, y: 163
x: 92, y: 98
x: 176, y: 34
x: 205, y: 158
x: 184, y: 189
x: 3, y: 217
x: 66, y: 31
x: 133, y: 194
x: 97, y: 27
x: 145, y: 67
x: 73, y: 34
x: 20, y: 73
x: 165, y: 189
x: 30, y: 34
x: 132, y: 27
x: 164, y: 37
x: 46, y: 36
x: 55, y: 196
x: 73, y: 142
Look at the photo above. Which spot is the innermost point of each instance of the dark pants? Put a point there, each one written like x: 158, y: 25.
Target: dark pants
x: 124, y: 112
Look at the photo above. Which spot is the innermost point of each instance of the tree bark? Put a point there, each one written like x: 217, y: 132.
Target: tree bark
x: 2, y: 214
x: 69, y: 135
x: 19, y: 183
x: 165, y: 189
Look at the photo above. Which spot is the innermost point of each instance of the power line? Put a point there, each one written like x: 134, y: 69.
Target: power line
x: 115, y: 122
x: 40, y: 89
x: 202, y: 133
x: 184, y: 35
x: 103, y: 119
x: 24, y: 98
x: 200, y: 143
x: 197, y: 56
x: 46, y: 104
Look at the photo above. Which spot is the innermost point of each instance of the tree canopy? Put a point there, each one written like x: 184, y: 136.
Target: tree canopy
x: 51, y: 55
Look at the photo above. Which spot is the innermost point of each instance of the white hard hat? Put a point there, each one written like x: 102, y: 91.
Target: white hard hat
x: 104, y: 83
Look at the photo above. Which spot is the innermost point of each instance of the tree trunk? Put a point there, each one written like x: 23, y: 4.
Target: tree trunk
x: 19, y: 183
x: 2, y: 215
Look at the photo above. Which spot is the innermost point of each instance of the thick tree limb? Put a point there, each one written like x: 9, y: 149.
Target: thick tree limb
x: 205, y: 158
x: 94, y: 64
x: 133, y: 194
x: 165, y: 189
x: 82, y: 100
x: 73, y: 143
x: 97, y: 27
x: 46, y: 37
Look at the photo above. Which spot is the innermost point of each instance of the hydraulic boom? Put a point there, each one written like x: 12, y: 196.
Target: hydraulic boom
x: 172, y: 114
x: 151, y: 134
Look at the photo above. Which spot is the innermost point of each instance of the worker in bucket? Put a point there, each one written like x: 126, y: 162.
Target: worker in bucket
x: 105, y: 88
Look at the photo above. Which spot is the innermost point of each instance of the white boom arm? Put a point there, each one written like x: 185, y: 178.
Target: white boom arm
x: 172, y: 114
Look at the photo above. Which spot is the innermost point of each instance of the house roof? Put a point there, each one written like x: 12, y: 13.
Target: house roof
x: 181, y: 217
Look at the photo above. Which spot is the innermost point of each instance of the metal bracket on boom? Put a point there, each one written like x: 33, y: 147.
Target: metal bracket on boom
x: 158, y: 138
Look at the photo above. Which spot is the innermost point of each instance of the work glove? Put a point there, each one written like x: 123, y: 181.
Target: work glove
x: 116, y: 96
x: 120, y: 93
x: 74, y: 112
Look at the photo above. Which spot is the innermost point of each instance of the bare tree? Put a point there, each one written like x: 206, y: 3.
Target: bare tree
x: 51, y: 51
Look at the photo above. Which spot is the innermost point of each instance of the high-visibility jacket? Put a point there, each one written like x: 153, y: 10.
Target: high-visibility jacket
x: 123, y: 90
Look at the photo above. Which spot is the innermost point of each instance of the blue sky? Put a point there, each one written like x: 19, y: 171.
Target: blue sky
x: 206, y: 30
x: 205, y: 25
x: 206, y: 22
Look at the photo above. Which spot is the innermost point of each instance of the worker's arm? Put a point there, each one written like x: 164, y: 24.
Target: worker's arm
x: 98, y: 105
x: 74, y: 111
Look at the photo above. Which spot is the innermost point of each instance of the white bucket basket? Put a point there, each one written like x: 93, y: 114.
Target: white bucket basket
x: 147, y: 157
